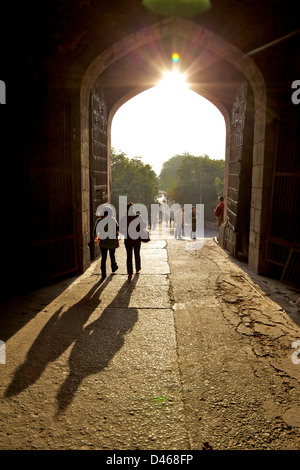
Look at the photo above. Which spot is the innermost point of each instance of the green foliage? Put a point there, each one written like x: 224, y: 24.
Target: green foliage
x: 219, y: 183
x: 168, y: 177
x: 134, y: 179
x: 194, y: 180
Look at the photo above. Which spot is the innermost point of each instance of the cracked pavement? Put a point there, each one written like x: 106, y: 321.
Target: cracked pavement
x: 240, y: 385
x: 194, y: 353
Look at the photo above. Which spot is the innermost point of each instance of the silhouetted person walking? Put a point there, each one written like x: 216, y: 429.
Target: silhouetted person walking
x: 131, y: 226
x: 107, y: 230
x: 193, y: 223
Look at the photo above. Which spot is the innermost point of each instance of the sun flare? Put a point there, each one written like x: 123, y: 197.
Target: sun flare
x: 169, y: 119
x: 173, y: 81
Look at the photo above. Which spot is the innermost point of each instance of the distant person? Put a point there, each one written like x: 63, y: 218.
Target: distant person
x: 167, y: 219
x: 154, y: 222
x: 193, y: 225
x: 172, y: 220
x: 178, y: 221
x: 130, y: 226
x: 107, y: 230
x: 219, y: 212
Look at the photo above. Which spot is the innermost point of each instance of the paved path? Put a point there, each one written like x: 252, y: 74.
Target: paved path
x: 191, y: 354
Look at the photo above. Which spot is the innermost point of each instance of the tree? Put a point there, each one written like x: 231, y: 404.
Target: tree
x: 167, y: 177
x: 196, y: 180
x: 219, y: 183
x: 134, y: 179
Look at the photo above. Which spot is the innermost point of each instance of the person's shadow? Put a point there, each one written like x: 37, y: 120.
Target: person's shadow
x: 94, y: 344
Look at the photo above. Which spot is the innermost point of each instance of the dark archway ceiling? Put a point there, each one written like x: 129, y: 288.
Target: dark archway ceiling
x: 56, y: 38
x: 144, y: 68
x: 73, y: 30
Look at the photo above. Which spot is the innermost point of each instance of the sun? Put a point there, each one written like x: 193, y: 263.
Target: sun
x: 173, y: 81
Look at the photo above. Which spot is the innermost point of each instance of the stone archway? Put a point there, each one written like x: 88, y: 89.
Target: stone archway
x: 206, y: 39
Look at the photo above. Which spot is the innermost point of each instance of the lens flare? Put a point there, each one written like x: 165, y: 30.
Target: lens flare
x: 175, y: 57
x: 173, y: 82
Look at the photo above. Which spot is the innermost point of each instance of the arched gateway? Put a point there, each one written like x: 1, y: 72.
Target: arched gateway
x: 240, y: 96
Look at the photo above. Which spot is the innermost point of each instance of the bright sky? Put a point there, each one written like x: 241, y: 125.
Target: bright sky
x: 167, y: 120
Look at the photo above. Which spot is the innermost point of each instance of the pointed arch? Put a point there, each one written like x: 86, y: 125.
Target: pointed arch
x: 205, y: 39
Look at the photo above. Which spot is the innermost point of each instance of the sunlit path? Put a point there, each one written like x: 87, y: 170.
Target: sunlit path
x: 168, y: 360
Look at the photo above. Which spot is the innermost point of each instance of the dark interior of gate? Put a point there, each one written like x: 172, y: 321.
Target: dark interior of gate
x: 52, y: 191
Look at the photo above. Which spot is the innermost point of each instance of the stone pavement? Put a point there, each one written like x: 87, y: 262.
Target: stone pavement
x: 192, y: 354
